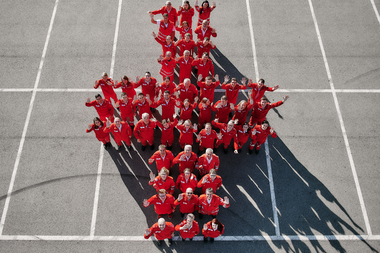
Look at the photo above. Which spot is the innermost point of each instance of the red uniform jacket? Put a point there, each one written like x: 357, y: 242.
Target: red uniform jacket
x: 124, y: 134
x: 182, y: 31
x: 172, y: 14
x: 161, y: 234
x: 242, y: 115
x: 161, y: 162
x: 188, y: 233
x: 232, y: 92
x: 189, y: 93
x: 127, y: 88
x: 259, y: 113
x: 207, y: 140
x: 163, y: 87
x: 106, y: 89
x: 168, y: 107
x: 105, y: 110
x: 183, y: 184
x: 189, y: 163
x: 99, y: 133
x: 143, y: 107
x: 201, y: 34
x: 186, y: 205
x: 168, y: 184
x: 242, y: 137
x: 223, y: 112
x: 257, y: 93
x: 202, y: 48
x: 204, y: 68
x: 126, y: 110
x: 204, y: 14
x: 183, y: 45
x: 186, y: 113
x: 165, y: 47
x: 160, y: 207
x: 204, y: 114
x: 210, y: 232
x: 261, y: 135
x: 226, y: 136
x: 147, y: 87
x: 186, y: 15
x: 165, y: 29
x: 204, y: 166
x: 167, y: 67
x: 184, y: 68
x: 207, y: 91
x: 213, y: 207
x: 144, y: 132
x: 167, y: 133
x: 216, y: 184
x: 185, y: 136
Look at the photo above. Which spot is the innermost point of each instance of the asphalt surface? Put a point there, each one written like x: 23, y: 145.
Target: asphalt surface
x: 313, y: 179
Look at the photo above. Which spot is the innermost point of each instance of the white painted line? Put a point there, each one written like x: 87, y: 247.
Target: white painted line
x: 250, y: 22
x: 196, y: 238
x: 101, y: 156
x: 348, y: 149
x: 376, y: 11
x: 22, y: 141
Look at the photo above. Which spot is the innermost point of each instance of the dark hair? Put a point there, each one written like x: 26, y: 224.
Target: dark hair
x: 167, y: 92
x: 264, y: 98
x: 262, y: 80
x: 167, y: 78
x: 98, y: 95
x: 224, y: 97
x: 140, y: 94
x: 165, y: 15
x: 205, y: 53
x: 101, y: 122
x: 265, y: 122
x: 220, y: 225
x: 208, y: 6
x: 187, y: 2
x: 246, y: 124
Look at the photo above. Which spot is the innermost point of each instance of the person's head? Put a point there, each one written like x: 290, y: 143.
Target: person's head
x: 185, y: 24
x: 141, y: 97
x: 162, y: 149
x: 245, y: 127
x: 208, y: 128
x: 168, y: 4
x: 166, y: 95
x: 164, y: 172
x: 205, y: 4
x: 161, y: 223
x: 223, y: 100
x: 187, y: 150
x: 99, y: 98
x: 162, y: 194
x: 233, y: 82
x: 186, y: 102
x: 187, y: 82
x: 230, y: 125
x: 264, y: 101
x: 165, y: 123
x: 187, y: 37
x: 242, y: 105
x: 168, y: 40
x: 264, y: 124
x: 205, y: 23
x: 167, y: 80
x: 186, y: 5
x: 117, y: 121
x: 189, y: 192
x: 104, y: 76
x: 187, y: 173
x: 260, y: 83
x: 186, y: 54
x: 209, y: 153
x: 165, y: 17
x: 208, y: 80
x: 217, y: 225
x: 124, y: 96
x: 190, y: 218
x: 168, y: 55
x: 205, y: 56
x: 205, y: 101
x: 145, y: 117
x: 206, y: 40
x: 125, y: 80
x: 209, y: 192
x: 97, y: 122
x: 212, y: 174
x: 187, y: 124
x: 147, y: 76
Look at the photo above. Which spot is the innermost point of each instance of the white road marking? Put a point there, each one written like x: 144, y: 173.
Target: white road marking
x: 250, y: 22
x: 22, y: 141
x: 376, y: 11
x: 348, y: 149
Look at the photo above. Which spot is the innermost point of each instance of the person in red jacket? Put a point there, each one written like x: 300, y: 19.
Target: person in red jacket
x: 106, y: 84
x: 185, y: 64
x: 186, y: 12
x: 121, y: 131
x: 204, y: 30
x: 161, y: 230
x: 102, y: 106
x: 183, y: 30
x: 212, y: 229
x: 186, y: 180
x: 186, y: 159
x: 209, y: 203
x: 163, y: 158
x: 204, y: 112
x: 98, y: 127
x: 163, y: 203
x: 241, y: 111
x: 166, y: 27
x: 207, y: 161
x: 204, y: 11
x: 167, y: 128
x: 144, y: 131
x: 226, y: 134
x: 166, y: 85
x: 261, y: 109
x: 148, y: 85
x: 223, y: 109
x: 167, y: 104
x: 188, y: 228
x: 206, y: 138
x: 204, y: 46
x: 186, y: 132
x: 211, y: 180
x: 243, y: 133
x: 143, y: 104
x: 186, y: 108
x: 259, y: 135
x: 167, y: 44
x: 208, y: 87
x: 162, y: 181
x: 127, y: 86
x: 232, y: 89
x: 188, y: 202
x: 185, y: 44
x: 187, y: 90
x: 258, y: 89
x: 204, y: 66
x: 167, y: 9
x: 125, y: 107
x: 168, y: 64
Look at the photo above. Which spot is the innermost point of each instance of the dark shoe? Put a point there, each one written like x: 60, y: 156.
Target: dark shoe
x: 190, y: 239
x: 250, y: 151
x: 108, y: 144
x: 119, y: 147
x: 151, y: 147
x: 183, y: 239
x: 170, y: 216
x: 257, y: 151
x: 205, y: 239
x: 159, y: 242
x: 152, y: 109
x: 169, y: 148
x: 133, y: 127
x: 170, y: 242
x: 225, y: 150
x: 200, y: 216
x: 129, y: 148
x: 214, y: 150
x: 143, y: 147
x: 211, y: 239
x: 213, y: 216
x: 105, y: 146
x: 182, y: 214
x: 199, y: 153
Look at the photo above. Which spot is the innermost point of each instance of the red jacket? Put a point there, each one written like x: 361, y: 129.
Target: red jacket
x: 185, y: 68
x: 259, y: 113
x: 185, y: 136
x: 144, y: 132
x: 165, y: 30
x: 143, y: 107
x: 124, y: 134
x: 168, y: 107
x: 242, y: 137
x: 202, y: 48
x: 127, y: 88
x: 168, y: 184
x: 216, y: 184
x: 99, y: 132
x: 226, y: 136
x: 222, y: 113
x: 232, y: 92
x: 207, y: 91
x: 186, y: 205
x: 186, y: 15
x: 165, y: 47
x: 161, y: 162
x: 210, y: 232
x: 204, y: 114
x: 189, y: 93
x: 106, y: 89
x: 204, y: 166
x: 183, y: 45
x: 257, y: 93
x: 167, y: 66
x: 182, y: 184
x: 147, y: 87
x: 161, y: 234
x: 160, y: 207
x: 167, y: 133
x: 261, y: 135
x: 105, y: 110
x: 187, y: 113
x: 126, y: 110
x: 204, y: 14
x: 213, y: 207
x: 201, y: 34
x: 242, y: 115
x: 189, y: 163
x: 163, y: 87
x: 204, y: 68
x: 172, y: 14
x: 188, y: 233
x: 207, y: 140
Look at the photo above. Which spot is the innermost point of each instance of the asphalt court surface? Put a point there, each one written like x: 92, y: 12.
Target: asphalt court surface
x: 314, y: 186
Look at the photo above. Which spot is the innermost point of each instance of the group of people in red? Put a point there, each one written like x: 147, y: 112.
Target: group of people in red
x: 187, y: 98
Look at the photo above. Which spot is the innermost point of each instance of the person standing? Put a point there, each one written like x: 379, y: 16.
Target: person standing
x: 188, y: 228
x: 258, y: 89
x: 163, y: 203
x: 98, y: 128
x: 204, y: 11
x: 161, y: 230
x: 211, y: 180
x: 125, y: 107
x: 186, y: 180
x: 144, y: 131
x: 103, y: 107
x: 206, y: 138
x: 106, y: 84
x: 261, y: 109
x: 212, y: 229
x: 163, y: 158
x: 226, y: 134
x: 206, y: 162
x: 209, y: 203
x: 186, y: 12
x: 186, y: 159
x: 162, y: 181
x: 188, y: 202
x: 121, y: 132
x: 259, y: 135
